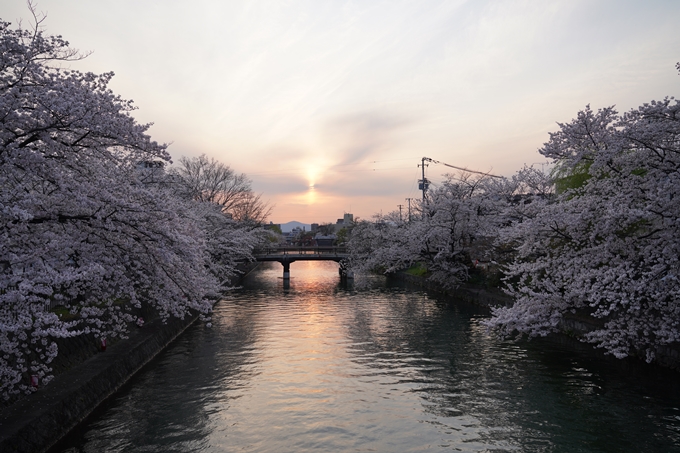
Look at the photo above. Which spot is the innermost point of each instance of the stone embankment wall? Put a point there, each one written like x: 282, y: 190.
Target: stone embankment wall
x: 85, y: 377
x: 38, y: 421
x: 572, y: 326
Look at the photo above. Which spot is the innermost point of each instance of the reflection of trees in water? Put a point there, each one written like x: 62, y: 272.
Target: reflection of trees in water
x: 530, y: 397
x: 557, y: 396
x: 493, y: 395
x: 428, y: 346
x: 467, y: 380
x: 170, y: 403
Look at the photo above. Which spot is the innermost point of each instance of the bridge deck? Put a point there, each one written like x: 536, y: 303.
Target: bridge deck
x: 290, y: 254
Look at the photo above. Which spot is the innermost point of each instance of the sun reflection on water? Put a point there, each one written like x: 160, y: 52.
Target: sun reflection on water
x: 324, y: 367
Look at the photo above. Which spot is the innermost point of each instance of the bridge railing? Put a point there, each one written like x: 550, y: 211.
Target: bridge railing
x: 301, y: 250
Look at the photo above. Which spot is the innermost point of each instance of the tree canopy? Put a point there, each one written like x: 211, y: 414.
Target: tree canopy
x: 608, y: 247
x: 598, y: 238
x: 90, y: 220
x: 208, y: 180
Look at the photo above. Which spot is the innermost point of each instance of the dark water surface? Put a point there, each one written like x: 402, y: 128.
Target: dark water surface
x: 320, y: 367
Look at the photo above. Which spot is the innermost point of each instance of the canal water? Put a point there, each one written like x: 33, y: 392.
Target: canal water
x: 320, y: 367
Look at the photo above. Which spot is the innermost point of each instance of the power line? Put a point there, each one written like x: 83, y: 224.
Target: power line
x: 424, y: 183
x: 460, y: 168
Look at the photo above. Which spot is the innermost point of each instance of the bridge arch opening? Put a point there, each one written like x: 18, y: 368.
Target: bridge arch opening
x: 286, y: 255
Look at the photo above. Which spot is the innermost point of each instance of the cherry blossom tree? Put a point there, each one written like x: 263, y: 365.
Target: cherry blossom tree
x: 599, y: 238
x: 460, y: 218
x: 228, y: 243
x: 608, y: 247
x: 87, y: 219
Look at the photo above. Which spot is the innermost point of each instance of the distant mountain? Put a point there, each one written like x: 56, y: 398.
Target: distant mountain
x: 288, y: 227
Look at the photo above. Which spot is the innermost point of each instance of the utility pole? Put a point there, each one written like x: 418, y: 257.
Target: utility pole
x: 400, y: 206
x: 409, y: 208
x: 423, y: 183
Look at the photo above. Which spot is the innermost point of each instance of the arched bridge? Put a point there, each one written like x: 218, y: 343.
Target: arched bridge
x: 288, y: 254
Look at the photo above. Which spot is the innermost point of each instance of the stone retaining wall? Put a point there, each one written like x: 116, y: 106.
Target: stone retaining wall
x: 38, y: 421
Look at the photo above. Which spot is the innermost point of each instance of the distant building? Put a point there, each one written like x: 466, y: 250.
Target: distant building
x: 297, y: 231
x: 347, y: 221
x: 324, y: 241
x: 314, y: 227
x: 294, y: 236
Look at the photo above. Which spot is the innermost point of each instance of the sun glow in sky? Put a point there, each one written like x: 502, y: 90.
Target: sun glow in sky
x: 329, y: 105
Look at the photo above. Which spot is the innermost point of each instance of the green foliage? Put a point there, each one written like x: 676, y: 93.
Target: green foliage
x: 274, y: 227
x: 575, y: 177
x: 571, y: 177
x: 64, y: 314
x: 418, y: 269
x: 342, y: 235
x: 490, y: 277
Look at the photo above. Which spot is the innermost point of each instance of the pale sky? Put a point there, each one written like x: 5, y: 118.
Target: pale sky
x: 329, y: 105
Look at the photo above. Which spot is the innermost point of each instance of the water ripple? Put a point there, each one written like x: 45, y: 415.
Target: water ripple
x: 321, y: 367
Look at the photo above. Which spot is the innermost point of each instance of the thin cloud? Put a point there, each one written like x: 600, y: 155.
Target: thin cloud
x: 358, y: 137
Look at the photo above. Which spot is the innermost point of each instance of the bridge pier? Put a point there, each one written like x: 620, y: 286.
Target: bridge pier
x: 286, y: 255
x: 286, y: 274
x: 345, y: 272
